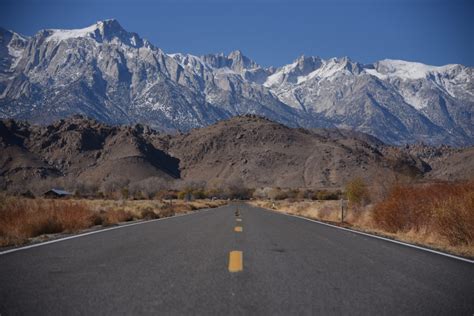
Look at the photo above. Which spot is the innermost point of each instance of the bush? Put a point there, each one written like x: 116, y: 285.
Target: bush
x: 148, y: 214
x: 138, y: 195
x: 216, y: 194
x: 446, y: 209
x: 21, y: 218
x: 239, y: 193
x: 167, y: 210
x: 198, y: 194
x: 357, y: 192
x: 125, y: 193
x: 114, y: 217
x: 326, y: 195
x: 277, y: 194
x: 191, y: 193
x: 166, y: 195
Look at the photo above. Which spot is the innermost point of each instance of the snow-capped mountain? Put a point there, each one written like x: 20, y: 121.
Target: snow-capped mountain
x: 113, y: 75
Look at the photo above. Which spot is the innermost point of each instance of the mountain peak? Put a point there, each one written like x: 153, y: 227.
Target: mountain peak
x: 307, y: 64
x: 101, y: 31
x: 236, y: 61
x: 240, y: 62
x: 109, y: 27
x: 236, y: 53
x: 5, y: 33
x: 392, y: 68
x: 61, y: 72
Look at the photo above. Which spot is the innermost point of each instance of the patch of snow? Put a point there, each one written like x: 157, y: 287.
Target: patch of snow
x: 15, y: 52
x: 405, y: 70
x: 16, y: 55
x: 190, y: 62
x: 375, y: 73
x: 279, y: 75
x: 414, y: 100
x: 327, y: 70
x: 225, y: 71
x: 62, y: 35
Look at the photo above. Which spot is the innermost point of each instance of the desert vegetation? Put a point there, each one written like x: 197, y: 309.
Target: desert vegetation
x: 442, y: 210
x: 22, y: 219
x: 437, y: 215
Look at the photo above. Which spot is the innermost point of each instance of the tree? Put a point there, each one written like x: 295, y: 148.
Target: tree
x: 357, y: 192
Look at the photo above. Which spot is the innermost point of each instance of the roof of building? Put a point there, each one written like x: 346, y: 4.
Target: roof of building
x: 60, y: 192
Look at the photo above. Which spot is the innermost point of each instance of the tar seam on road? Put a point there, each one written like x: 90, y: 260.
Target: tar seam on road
x: 236, y: 261
x: 377, y: 237
x: 92, y: 233
x: 238, y: 229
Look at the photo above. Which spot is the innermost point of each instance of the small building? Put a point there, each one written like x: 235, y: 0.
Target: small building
x: 57, y: 193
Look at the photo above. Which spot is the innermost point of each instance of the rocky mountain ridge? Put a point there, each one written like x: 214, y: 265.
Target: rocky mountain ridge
x: 249, y: 150
x: 115, y: 76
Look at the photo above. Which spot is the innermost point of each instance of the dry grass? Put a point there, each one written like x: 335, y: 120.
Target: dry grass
x: 161, y: 208
x: 22, y: 219
x: 321, y: 210
x: 114, y: 217
x: 439, y: 216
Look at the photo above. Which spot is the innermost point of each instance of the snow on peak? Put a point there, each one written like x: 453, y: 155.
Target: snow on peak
x: 405, y: 70
x: 106, y: 29
x: 306, y: 68
x: 62, y: 35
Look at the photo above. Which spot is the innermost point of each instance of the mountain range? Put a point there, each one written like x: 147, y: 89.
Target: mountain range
x: 248, y: 151
x: 117, y: 77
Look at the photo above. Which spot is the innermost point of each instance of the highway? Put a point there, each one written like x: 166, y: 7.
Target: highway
x: 214, y: 262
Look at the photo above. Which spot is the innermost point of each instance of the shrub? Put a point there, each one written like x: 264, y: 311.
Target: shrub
x: 139, y: 195
x: 148, y: 214
x: 239, y: 193
x: 277, y: 194
x: 114, y: 217
x: 125, y: 193
x: 446, y: 209
x: 326, y: 195
x: 166, y: 195
x: 167, y: 210
x: 21, y: 219
x: 357, y: 192
x: 216, y: 194
x: 198, y: 194
x: 191, y: 193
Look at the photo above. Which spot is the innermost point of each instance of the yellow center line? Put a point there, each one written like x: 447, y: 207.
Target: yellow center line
x: 238, y: 229
x: 236, y: 261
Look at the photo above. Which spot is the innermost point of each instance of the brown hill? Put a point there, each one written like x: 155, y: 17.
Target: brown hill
x: 78, y: 150
x: 83, y: 154
x: 259, y: 152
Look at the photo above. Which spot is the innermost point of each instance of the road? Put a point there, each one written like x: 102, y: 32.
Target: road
x: 285, y: 266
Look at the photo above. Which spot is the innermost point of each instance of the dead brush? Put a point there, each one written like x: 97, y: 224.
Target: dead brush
x: 148, y: 214
x: 113, y: 217
x: 21, y: 219
x: 445, y: 209
x: 167, y: 210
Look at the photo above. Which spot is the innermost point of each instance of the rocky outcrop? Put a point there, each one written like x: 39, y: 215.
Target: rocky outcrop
x: 249, y: 150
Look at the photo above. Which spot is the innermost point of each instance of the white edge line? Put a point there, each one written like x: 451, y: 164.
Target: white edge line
x: 374, y: 236
x: 97, y: 232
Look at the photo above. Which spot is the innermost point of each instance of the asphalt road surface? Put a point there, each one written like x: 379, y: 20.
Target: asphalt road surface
x: 284, y: 265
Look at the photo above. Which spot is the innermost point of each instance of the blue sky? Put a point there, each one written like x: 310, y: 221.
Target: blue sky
x: 273, y: 32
